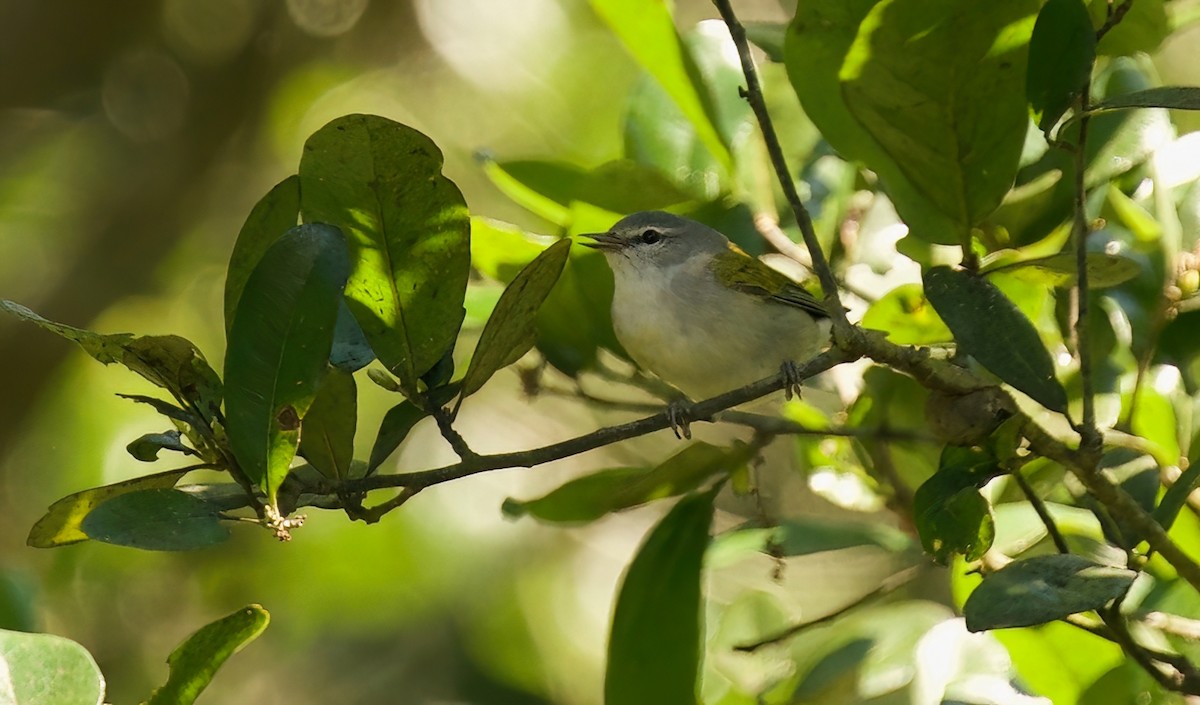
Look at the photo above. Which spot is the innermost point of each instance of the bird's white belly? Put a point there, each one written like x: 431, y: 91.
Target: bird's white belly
x: 715, y: 341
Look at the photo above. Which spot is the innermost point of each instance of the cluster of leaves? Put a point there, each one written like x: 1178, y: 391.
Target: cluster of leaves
x: 993, y: 128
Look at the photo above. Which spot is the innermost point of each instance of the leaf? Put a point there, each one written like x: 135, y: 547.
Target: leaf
x: 43, y: 669
x: 351, y: 351
x: 988, y: 326
x: 951, y: 516
x: 1042, y: 589
x: 59, y: 526
x: 656, y: 641
x: 278, y: 348
x: 907, y: 317
x: 168, y: 361
x: 1172, y: 97
x: 161, y: 519
x: 1104, y: 270
x: 512, y: 328
x: 648, y: 32
x: 273, y: 215
x: 327, y: 432
x: 622, y: 186
x: 500, y: 250
x: 768, y: 36
x: 592, y: 496
x: 575, y: 320
x: 407, y: 230
x: 903, y: 85
x: 1061, y: 53
x: 194, y: 662
x: 399, y: 421
x: 146, y: 447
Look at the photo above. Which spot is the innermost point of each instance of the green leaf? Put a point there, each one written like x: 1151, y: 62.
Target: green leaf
x: 161, y: 519
x: 1042, y: 589
x: 1061, y: 52
x: 512, y: 328
x: 60, y: 525
x: 43, y: 669
x: 768, y: 36
x: 351, y: 351
x: 903, y: 85
x: 279, y: 346
x: 592, y: 496
x: 656, y: 641
x: 575, y: 321
x: 648, y: 32
x: 274, y: 214
x: 394, y: 428
x: 500, y: 250
x: 407, y: 230
x: 194, y: 662
x: 988, y: 326
x: 951, y: 516
x: 1172, y: 97
x: 1104, y: 270
x: 327, y: 432
x: 169, y: 361
x: 907, y: 317
x: 146, y: 447
x: 623, y: 186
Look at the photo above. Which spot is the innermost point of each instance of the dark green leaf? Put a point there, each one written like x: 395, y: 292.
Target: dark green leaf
x: 146, y: 447
x: 169, y: 361
x: 575, y: 321
x: 43, y: 669
x: 162, y: 519
x: 194, y: 662
x: 511, y: 330
x: 907, y: 317
x: 1042, y: 589
x: 952, y: 519
x: 802, y: 537
x: 1061, y: 52
x: 60, y: 525
x: 397, y: 423
x: 278, y: 348
x: 648, y: 33
x: 351, y: 351
x: 903, y: 85
x: 274, y: 214
x: 407, y: 230
x: 1172, y: 97
x: 327, y: 432
x: 1104, y: 270
x: 592, y: 496
x: 988, y: 326
x: 656, y: 641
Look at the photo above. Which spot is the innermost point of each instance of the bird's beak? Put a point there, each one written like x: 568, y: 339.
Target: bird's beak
x: 603, y: 241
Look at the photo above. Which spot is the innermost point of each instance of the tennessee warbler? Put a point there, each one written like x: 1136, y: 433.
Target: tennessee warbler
x: 700, y: 313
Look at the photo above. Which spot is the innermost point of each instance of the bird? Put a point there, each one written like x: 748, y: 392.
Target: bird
x: 698, y: 312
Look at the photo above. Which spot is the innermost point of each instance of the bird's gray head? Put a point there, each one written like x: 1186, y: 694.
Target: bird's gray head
x: 657, y: 239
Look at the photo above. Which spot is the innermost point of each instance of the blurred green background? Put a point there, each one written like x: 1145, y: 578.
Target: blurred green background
x: 134, y: 138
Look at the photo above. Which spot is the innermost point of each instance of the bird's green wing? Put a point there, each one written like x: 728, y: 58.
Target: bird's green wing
x: 746, y: 274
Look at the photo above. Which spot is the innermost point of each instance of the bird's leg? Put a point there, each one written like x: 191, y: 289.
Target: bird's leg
x: 679, y: 415
x: 792, y: 379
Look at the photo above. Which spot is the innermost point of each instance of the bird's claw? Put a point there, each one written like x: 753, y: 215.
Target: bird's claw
x: 679, y: 417
x: 792, y: 379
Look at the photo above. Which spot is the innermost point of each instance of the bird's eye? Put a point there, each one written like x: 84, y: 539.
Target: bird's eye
x: 650, y: 236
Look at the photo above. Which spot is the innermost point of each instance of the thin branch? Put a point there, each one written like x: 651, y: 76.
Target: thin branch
x: 445, y: 424
x: 842, y: 330
x: 888, y: 585
x: 590, y: 441
x: 1079, y: 232
x: 1115, y: 15
x: 1043, y: 513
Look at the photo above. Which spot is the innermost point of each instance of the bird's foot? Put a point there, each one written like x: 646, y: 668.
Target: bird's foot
x: 792, y: 379
x: 679, y: 416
